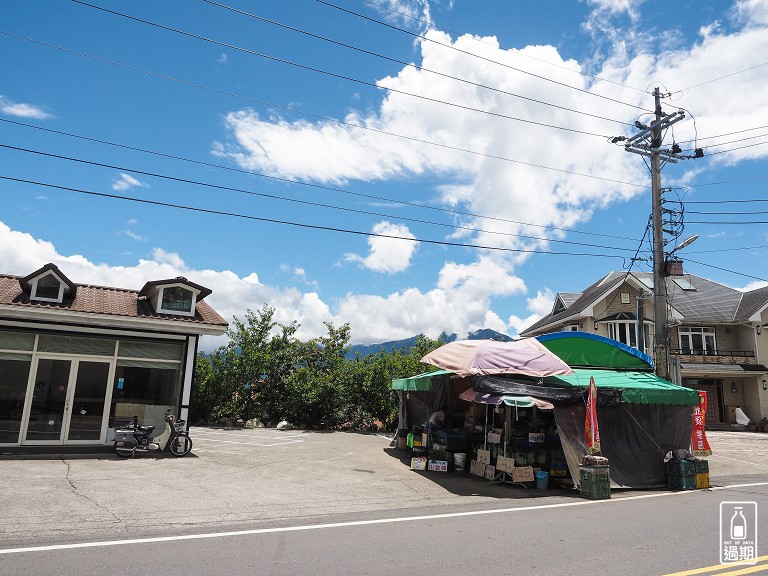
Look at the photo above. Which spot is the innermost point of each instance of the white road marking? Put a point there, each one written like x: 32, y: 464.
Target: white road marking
x: 239, y: 435
x: 211, y: 535
x: 741, y: 461
x: 280, y: 443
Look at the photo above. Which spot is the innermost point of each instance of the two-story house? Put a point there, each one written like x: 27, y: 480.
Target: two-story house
x: 716, y: 333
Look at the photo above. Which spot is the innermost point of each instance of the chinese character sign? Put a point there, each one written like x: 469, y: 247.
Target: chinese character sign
x: 591, y: 431
x: 698, y: 436
x: 738, y: 534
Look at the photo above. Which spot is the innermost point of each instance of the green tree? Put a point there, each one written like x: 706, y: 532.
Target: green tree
x: 264, y: 371
x: 317, y: 395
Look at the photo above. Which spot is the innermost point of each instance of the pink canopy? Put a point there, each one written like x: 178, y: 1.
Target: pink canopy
x: 527, y: 356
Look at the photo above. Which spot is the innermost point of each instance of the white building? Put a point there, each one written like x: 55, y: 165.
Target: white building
x: 74, y: 356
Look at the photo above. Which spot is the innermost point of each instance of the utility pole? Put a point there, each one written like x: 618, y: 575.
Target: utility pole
x: 659, y: 278
x: 647, y: 143
x: 640, y: 322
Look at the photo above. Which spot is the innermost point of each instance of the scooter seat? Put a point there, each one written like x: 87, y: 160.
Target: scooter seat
x: 145, y: 429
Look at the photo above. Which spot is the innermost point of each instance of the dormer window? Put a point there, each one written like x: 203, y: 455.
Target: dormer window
x: 48, y: 284
x: 176, y: 299
x: 47, y: 288
x: 177, y: 296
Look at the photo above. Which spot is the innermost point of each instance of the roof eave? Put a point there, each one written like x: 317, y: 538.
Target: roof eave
x: 545, y: 327
x: 113, y: 321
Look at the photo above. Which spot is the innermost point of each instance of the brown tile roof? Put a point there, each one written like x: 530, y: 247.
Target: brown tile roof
x: 103, y: 300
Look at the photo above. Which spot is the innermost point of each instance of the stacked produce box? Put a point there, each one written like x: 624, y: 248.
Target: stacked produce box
x: 681, y: 474
x: 701, y: 468
x: 595, y: 478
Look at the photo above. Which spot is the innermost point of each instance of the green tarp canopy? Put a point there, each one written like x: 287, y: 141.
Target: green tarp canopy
x: 592, y: 350
x: 418, y: 383
x: 635, y: 387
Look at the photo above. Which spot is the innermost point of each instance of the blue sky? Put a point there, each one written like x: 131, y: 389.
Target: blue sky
x: 474, y: 133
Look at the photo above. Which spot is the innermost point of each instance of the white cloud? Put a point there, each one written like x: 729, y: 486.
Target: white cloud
x: 23, y: 110
x: 332, y: 153
x: 512, y: 191
x: 133, y: 235
x: 126, y: 182
x: 752, y: 12
x: 410, y: 14
x: 387, y: 255
x: 462, y: 296
x: 460, y: 305
x: 222, y: 59
x: 753, y: 285
x: 539, y: 306
x: 613, y: 7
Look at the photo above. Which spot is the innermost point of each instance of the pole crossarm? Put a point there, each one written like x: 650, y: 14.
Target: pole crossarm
x: 660, y: 124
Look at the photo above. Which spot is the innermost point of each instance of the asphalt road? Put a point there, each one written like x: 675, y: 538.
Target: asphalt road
x: 268, y: 502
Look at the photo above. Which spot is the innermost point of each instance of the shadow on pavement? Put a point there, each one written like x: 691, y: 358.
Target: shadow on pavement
x: 462, y: 483
x: 73, y: 452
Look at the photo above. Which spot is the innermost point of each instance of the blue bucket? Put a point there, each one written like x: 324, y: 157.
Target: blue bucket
x: 542, y: 479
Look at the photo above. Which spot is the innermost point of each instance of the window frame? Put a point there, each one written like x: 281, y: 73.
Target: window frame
x: 630, y: 325
x: 33, y: 295
x: 703, y: 331
x: 161, y: 294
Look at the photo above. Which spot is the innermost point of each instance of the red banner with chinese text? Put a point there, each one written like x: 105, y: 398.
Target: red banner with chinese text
x: 698, y: 436
x: 591, y: 430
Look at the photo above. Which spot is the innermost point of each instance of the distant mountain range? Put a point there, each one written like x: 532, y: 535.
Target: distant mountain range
x: 363, y: 350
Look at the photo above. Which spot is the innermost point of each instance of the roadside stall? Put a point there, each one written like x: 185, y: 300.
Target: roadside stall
x: 642, y: 417
x: 521, y: 415
x: 488, y: 432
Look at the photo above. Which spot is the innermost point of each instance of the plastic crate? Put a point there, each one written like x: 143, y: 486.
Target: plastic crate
x: 681, y: 482
x: 596, y: 492
x: 688, y: 482
x: 702, y: 480
x: 681, y: 467
x: 701, y: 466
x: 456, y: 441
x: 591, y: 475
x: 595, y: 483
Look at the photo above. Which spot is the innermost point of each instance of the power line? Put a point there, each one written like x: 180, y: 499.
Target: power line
x: 728, y: 142
x: 736, y: 181
x: 408, y: 64
x: 720, y: 212
x: 340, y: 76
x: 311, y: 115
x: 737, y: 148
x: 722, y: 222
x: 296, y: 224
x: 723, y: 77
x: 726, y: 134
x: 480, y: 41
x: 424, y: 38
x: 295, y: 200
x: 738, y: 249
x: 726, y: 201
x: 726, y: 270
x: 308, y: 184
x: 629, y: 268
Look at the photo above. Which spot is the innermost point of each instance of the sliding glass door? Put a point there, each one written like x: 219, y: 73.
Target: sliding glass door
x: 66, y: 402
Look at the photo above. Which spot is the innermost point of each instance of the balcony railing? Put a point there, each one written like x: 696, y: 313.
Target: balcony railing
x: 712, y: 353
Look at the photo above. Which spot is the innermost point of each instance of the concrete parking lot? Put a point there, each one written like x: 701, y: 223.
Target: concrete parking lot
x: 246, y: 478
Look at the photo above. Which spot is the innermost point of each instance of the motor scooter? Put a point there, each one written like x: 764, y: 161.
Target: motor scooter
x: 132, y: 438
